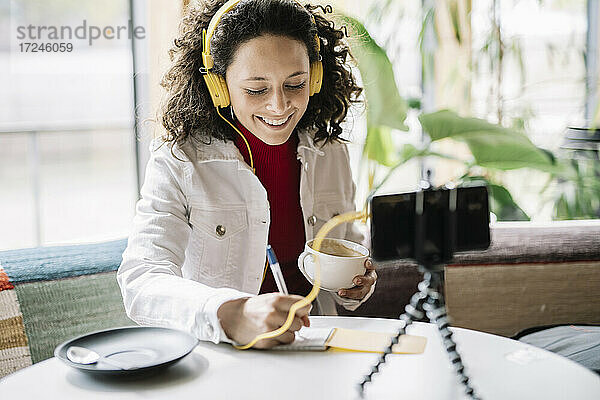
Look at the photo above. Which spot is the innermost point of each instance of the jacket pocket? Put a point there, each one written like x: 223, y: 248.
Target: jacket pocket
x: 218, y: 235
x: 326, y: 209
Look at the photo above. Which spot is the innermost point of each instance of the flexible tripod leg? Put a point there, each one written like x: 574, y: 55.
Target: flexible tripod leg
x: 428, y: 300
x: 412, y: 311
x: 436, y: 313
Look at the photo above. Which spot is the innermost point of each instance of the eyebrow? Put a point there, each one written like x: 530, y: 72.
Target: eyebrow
x: 260, y: 78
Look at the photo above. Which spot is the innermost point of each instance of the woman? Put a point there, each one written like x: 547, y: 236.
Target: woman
x: 255, y: 161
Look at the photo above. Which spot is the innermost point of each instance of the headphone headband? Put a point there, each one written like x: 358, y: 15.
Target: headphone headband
x: 208, y: 33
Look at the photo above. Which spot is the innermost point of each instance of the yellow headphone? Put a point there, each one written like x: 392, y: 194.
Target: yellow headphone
x: 217, y: 87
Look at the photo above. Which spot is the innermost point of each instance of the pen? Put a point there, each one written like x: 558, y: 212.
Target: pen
x: 274, y: 264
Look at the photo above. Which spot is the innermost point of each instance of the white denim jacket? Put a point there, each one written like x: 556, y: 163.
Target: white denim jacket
x: 201, y: 227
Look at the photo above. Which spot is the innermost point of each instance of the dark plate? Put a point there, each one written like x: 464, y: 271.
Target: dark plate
x: 140, y: 347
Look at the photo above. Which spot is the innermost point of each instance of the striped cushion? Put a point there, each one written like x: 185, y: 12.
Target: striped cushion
x: 14, y: 352
x: 48, y: 263
x: 49, y: 295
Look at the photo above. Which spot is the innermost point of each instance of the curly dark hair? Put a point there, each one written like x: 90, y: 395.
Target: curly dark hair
x: 188, y: 112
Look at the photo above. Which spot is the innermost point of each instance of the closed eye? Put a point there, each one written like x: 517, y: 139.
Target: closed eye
x: 255, y: 92
x: 297, y: 87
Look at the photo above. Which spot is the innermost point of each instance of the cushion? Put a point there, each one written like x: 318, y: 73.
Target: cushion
x: 579, y: 343
x: 51, y: 294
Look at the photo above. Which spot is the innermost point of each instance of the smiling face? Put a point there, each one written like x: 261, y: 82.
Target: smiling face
x: 268, y: 86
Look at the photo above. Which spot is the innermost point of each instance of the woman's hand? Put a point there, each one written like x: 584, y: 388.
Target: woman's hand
x: 363, y: 283
x: 244, y: 319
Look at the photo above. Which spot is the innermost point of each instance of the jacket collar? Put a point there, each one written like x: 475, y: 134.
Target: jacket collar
x: 307, y: 141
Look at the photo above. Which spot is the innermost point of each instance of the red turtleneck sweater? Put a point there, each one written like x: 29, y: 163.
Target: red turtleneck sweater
x: 278, y: 169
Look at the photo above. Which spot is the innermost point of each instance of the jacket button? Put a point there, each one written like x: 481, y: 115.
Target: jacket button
x: 312, y: 220
x: 220, y: 230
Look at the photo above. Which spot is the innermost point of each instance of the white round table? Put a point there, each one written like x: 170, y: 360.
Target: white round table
x: 499, y: 368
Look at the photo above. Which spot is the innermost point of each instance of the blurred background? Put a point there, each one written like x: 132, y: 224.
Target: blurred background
x: 455, y: 90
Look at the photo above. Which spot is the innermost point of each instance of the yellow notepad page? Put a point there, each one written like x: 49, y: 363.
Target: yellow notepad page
x: 374, y: 342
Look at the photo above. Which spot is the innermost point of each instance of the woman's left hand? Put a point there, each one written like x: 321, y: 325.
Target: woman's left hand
x: 363, y: 283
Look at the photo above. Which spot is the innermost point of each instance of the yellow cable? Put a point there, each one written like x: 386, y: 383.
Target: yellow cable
x: 243, y: 137
x: 329, y: 225
x: 264, y: 272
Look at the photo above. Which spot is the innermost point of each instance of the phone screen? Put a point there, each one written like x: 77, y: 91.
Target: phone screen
x: 395, y: 228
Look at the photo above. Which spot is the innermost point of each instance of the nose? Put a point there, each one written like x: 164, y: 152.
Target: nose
x: 278, y: 102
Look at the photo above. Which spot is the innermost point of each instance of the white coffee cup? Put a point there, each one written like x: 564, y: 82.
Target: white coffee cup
x: 337, y: 271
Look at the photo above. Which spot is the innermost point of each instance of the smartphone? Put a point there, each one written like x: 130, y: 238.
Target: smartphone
x: 430, y: 225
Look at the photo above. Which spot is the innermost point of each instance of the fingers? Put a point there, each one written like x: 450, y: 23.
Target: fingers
x: 305, y: 321
x: 284, y: 303
x: 273, y: 323
x: 363, y: 283
x: 281, y: 306
x: 286, y: 338
x: 355, y: 293
x: 369, y: 265
x: 368, y: 279
x: 266, y: 313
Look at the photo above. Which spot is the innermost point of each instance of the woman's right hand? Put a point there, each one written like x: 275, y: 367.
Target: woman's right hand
x: 244, y: 319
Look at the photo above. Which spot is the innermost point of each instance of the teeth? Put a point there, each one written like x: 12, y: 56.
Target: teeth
x: 275, y: 122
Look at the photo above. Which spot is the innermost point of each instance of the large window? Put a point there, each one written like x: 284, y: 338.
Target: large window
x: 67, y: 146
x: 522, y: 63
x: 538, y: 85
x: 68, y: 165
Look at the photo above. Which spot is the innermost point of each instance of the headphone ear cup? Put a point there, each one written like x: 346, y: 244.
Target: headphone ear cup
x: 316, y: 77
x: 217, y: 87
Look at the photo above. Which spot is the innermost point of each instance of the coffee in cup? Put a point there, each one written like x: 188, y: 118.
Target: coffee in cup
x: 336, y: 248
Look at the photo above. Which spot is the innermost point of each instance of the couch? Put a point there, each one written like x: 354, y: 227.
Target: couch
x: 51, y: 294
x: 530, y: 276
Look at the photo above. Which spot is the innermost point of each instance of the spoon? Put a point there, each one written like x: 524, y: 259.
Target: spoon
x: 82, y: 355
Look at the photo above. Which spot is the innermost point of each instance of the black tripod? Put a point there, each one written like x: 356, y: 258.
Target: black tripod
x: 427, y: 301
x: 434, y: 246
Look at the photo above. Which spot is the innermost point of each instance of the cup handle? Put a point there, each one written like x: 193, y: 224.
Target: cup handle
x: 301, y: 258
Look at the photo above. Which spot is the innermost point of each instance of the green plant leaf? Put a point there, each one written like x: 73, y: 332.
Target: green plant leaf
x: 577, y: 192
x: 407, y: 152
x: 503, y: 205
x: 492, y: 146
x: 384, y: 104
x: 379, y: 145
x: 501, y: 201
x: 446, y: 123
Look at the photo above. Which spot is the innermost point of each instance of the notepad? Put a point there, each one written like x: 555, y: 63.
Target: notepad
x: 340, y: 339
x: 309, y: 339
